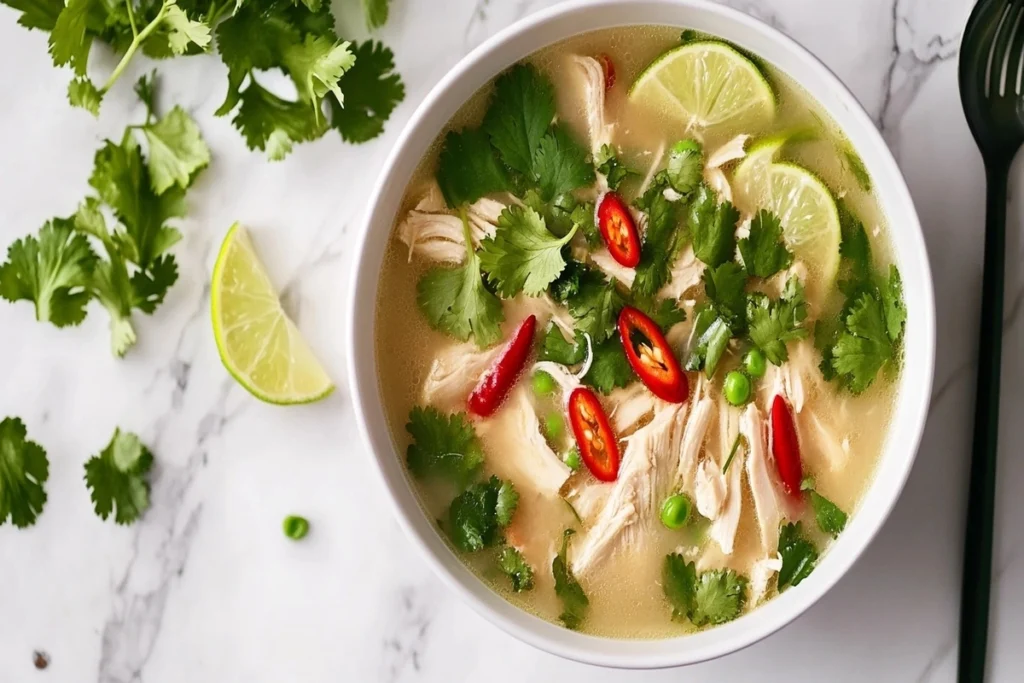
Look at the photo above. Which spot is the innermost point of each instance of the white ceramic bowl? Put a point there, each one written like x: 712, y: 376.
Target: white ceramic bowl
x: 473, y: 72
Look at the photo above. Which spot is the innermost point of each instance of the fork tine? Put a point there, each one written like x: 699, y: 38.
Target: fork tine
x: 1014, y: 72
x: 1009, y: 62
x: 1000, y: 44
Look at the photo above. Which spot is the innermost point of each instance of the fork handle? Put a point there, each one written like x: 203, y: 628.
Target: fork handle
x: 977, y: 575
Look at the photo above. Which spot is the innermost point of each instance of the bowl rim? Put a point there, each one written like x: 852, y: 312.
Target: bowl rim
x: 908, y: 420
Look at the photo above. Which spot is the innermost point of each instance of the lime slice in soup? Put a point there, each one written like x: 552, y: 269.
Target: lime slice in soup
x: 805, y: 207
x: 704, y: 85
x: 259, y: 344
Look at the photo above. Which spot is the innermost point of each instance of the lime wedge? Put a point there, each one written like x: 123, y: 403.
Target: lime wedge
x: 258, y: 343
x: 706, y: 84
x: 806, y: 208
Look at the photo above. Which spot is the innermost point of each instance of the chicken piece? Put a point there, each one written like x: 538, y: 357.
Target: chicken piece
x: 544, y: 307
x: 709, y: 489
x: 713, y: 174
x: 788, y: 379
x: 438, y: 236
x: 760, y: 574
x: 723, y: 528
x: 762, y: 485
x: 586, y: 495
x: 693, y: 440
x: 687, y: 272
x: 631, y: 406
x: 454, y: 373
x: 632, y: 505
x: 836, y: 450
x: 594, y: 87
x: 605, y: 262
x: 535, y: 466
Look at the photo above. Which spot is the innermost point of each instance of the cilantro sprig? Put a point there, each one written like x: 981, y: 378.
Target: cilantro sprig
x: 764, y: 252
x: 773, y: 323
x: 575, y: 602
x: 712, y: 227
x: 444, y: 446
x: 712, y: 597
x: 117, y: 478
x: 24, y: 469
x: 478, y: 514
x: 830, y: 517
x: 799, y: 556
x: 523, y: 256
x: 513, y: 565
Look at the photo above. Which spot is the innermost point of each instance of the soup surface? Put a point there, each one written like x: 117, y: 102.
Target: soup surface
x: 649, y: 394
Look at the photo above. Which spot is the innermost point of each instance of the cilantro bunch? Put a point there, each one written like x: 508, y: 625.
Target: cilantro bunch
x: 355, y: 83
x: 135, y: 195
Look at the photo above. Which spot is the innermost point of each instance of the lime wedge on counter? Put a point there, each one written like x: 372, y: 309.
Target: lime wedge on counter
x: 706, y: 84
x: 259, y: 344
x: 806, y: 208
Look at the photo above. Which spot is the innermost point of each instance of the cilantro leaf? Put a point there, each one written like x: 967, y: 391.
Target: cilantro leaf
x: 864, y: 347
x: 662, y: 241
x: 24, y: 469
x: 70, y: 40
x: 456, y: 302
x: 557, y: 349
x: 664, y: 312
x: 764, y: 253
x: 719, y: 597
x: 679, y: 582
x: 567, y: 284
x: 41, y: 14
x: 724, y: 286
x: 560, y: 164
x: 150, y: 286
x: 83, y: 94
x: 521, y: 109
x: 376, y: 13
x: 523, y: 255
x: 583, y: 218
x: 315, y: 65
x: 478, y: 514
x: 610, y: 368
x: 52, y: 270
x: 176, y: 151
x: 508, y: 501
x: 273, y: 124
x: 467, y: 168
x: 117, y: 478
x: 895, y: 309
x: 831, y: 519
x: 444, y: 446
x: 712, y: 227
x: 798, y: 556
x: 685, y: 169
x: 512, y: 563
x: 711, y: 344
x: 372, y: 91
x: 596, y: 306
x: 181, y: 32
x: 613, y: 170
x: 855, y: 247
x: 773, y: 324
x: 574, y: 601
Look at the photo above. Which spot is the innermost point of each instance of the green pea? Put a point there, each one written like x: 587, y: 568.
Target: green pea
x: 543, y: 383
x: 737, y: 388
x: 554, y: 426
x: 572, y: 459
x: 675, y: 511
x: 754, y: 363
x: 295, y: 527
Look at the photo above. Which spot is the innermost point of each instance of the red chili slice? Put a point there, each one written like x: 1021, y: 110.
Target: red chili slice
x: 598, y: 446
x: 495, y: 384
x: 786, y: 447
x: 608, y: 66
x: 651, y: 356
x: 618, y: 230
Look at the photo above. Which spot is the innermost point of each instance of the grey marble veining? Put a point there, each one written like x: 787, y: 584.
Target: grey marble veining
x: 206, y: 588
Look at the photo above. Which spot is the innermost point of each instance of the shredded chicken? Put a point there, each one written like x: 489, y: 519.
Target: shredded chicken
x: 788, y: 379
x: 835, y: 450
x: 723, y: 528
x: 544, y: 307
x: 709, y: 488
x: 430, y: 231
x: 760, y: 574
x: 631, y: 405
x: 603, y: 259
x: 635, y: 497
x: 693, y: 439
x: 762, y: 485
x: 454, y: 373
x: 687, y: 272
x: 730, y: 151
x: 594, y: 86
x: 538, y: 467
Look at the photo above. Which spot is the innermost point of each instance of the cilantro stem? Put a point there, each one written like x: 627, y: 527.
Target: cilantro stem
x: 732, y: 454
x: 131, y: 17
x: 136, y: 42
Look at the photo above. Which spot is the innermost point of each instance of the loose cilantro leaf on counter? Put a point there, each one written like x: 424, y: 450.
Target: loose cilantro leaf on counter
x: 523, y: 255
x: 798, y: 556
x: 467, y: 168
x: 372, y: 90
x: 609, y: 165
x: 176, y: 151
x: 560, y: 164
x: 316, y: 65
x: 574, y: 601
x: 117, y: 478
x: 763, y: 251
x: 444, y: 446
x: 456, y: 302
x: 610, y: 368
x: 557, y: 349
x: 596, y: 307
x: 273, y: 124
x: 712, y: 227
x: 521, y: 109
x: 831, y: 519
x: 662, y: 241
x: 713, y: 597
x: 685, y: 168
x: 512, y: 563
x: 775, y: 323
x: 478, y: 514
x: 376, y: 12
x: 23, y: 473
x: 52, y: 271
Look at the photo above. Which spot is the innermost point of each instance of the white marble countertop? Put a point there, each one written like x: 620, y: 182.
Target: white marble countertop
x: 206, y: 588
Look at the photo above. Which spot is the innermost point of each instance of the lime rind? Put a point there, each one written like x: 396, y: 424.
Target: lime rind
x: 257, y: 342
